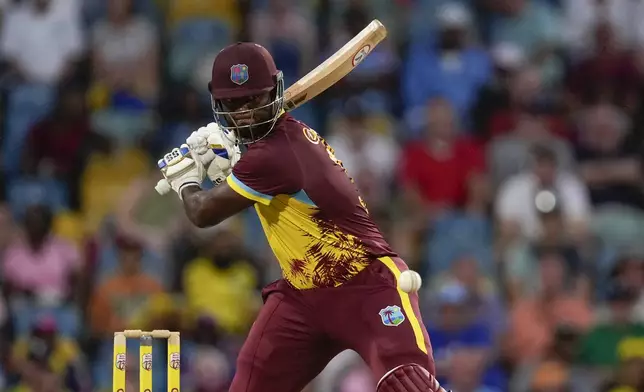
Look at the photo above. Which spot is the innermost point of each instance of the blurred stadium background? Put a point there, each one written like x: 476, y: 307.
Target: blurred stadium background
x: 498, y: 143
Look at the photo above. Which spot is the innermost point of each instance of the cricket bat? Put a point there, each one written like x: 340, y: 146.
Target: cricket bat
x: 326, y: 74
x: 335, y: 67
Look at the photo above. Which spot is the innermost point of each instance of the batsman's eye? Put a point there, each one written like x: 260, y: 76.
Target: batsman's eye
x: 236, y: 103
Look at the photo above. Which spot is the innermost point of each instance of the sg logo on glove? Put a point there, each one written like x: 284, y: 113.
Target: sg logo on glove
x: 180, y: 169
x: 173, y: 157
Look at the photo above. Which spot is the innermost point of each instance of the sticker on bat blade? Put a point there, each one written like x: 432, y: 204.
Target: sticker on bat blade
x: 361, y: 54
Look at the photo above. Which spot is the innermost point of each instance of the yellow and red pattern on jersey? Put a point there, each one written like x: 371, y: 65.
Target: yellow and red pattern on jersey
x: 311, y: 212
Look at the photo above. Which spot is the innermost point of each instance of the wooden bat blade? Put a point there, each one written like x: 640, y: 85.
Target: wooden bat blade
x: 335, y: 67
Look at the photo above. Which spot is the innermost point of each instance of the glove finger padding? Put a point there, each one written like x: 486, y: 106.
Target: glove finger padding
x: 210, y: 137
x: 197, y: 143
x: 225, y: 155
x: 216, y: 150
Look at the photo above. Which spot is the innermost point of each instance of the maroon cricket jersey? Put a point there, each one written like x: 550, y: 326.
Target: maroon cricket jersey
x: 311, y: 211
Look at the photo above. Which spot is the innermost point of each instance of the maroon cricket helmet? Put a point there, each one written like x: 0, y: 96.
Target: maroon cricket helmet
x: 242, y: 69
x: 246, y: 69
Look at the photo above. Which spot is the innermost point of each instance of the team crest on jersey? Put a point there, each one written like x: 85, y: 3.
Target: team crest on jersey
x: 146, y: 361
x: 119, y: 363
x: 175, y: 361
x: 239, y: 74
x: 311, y: 135
x: 392, y: 316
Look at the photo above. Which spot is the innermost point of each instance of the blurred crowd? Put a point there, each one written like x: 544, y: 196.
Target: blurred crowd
x: 498, y: 143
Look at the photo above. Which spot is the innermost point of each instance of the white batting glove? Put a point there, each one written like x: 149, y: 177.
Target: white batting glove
x: 216, y: 149
x: 211, y: 136
x: 198, y: 140
x: 181, y: 169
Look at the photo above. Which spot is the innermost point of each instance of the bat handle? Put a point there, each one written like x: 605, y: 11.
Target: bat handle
x: 163, y: 187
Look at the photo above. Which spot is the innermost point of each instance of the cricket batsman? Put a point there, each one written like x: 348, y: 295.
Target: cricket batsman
x: 339, y: 288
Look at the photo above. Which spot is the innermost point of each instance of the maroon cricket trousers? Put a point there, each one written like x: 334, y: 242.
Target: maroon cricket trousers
x: 299, y: 331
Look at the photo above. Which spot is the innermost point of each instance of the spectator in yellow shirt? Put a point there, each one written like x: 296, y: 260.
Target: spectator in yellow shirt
x: 46, y: 361
x: 222, y: 284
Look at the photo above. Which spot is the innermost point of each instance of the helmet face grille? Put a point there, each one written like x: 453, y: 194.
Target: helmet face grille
x: 248, y: 134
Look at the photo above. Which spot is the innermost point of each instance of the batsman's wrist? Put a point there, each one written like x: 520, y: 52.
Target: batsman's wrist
x: 188, y: 185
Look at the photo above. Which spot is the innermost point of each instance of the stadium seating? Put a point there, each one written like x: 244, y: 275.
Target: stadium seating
x: 67, y: 317
x: 457, y: 234
x: 25, y: 191
x: 190, y: 40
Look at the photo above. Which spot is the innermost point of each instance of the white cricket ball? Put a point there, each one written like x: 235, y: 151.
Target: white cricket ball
x: 409, y: 281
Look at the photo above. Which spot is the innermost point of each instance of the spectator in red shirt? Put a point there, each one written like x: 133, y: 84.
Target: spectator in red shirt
x: 56, y: 146
x: 526, y: 91
x: 609, y: 74
x: 435, y: 171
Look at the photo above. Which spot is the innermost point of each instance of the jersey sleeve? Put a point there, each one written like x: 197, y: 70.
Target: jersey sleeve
x: 262, y: 174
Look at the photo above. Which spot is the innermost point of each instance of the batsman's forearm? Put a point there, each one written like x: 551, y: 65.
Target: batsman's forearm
x: 198, y: 206
x: 207, y: 208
